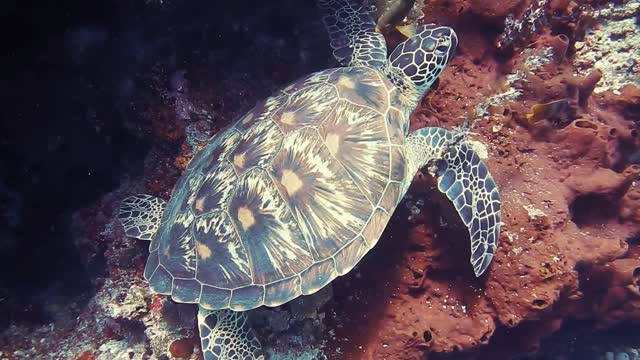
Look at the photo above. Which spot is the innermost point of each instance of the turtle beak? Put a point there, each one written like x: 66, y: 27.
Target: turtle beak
x: 454, y: 42
x: 451, y: 41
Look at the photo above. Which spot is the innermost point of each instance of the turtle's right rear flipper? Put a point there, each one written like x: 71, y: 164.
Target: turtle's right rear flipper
x: 140, y: 215
x: 352, y: 34
x: 226, y: 335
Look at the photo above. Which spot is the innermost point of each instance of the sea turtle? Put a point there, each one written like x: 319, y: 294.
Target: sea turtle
x: 299, y: 189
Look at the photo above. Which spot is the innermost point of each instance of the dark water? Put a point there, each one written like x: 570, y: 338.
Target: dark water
x: 76, y: 86
x: 62, y: 141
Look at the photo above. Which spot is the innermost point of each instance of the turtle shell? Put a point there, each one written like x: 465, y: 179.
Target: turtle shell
x: 288, y: 198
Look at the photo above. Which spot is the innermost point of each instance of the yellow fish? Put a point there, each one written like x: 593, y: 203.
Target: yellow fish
x: 393, y: 17
x: 548, y: 110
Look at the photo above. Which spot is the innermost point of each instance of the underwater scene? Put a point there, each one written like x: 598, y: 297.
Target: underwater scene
x: 320, y: 179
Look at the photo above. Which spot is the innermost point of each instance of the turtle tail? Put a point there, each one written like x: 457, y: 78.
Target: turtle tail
x: 140, y: 215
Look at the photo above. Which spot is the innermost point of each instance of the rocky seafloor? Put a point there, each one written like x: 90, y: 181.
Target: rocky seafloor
x: 156, y: 79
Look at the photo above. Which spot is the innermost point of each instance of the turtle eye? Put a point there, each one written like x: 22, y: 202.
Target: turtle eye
x: 442, y: 48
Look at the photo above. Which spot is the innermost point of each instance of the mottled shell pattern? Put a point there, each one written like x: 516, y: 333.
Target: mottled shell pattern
x: 290, y: 197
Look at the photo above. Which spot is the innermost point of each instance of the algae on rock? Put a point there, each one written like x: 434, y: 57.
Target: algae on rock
x: 612, y: 47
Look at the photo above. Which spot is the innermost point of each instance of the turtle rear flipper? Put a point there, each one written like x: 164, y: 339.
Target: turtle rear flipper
x: 140, y: 215
x: 226, y: 334
x: 352, y: 34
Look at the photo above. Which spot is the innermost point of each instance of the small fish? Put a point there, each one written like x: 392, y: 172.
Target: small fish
x: 393, y: 17
x: 548, y: 110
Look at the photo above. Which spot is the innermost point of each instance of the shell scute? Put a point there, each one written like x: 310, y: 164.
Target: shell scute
x: 257, y: 147
x: 262, y: 111
x: 391, y: 196
x: 356, y: 136
x: 246, y: 298
x: 317, y: 276
x: 182, y: 197
x: 174, y: 245
x: 186, y: 291
x: 209, y: 156
x: 321, y: 77
x: 222, y: 258
x: 215, y: 191
x: 374, y: 228
x: 161, y: 282
x: 398, y: 126
x: 399, y: 166
x: 362, y: 86
x: 279, y: 292
x: 324, y: 200
x: 177, y: 252
x: 269, y: 232
x: 306, y: 108
x: 350, y: 255
x: 213, y: 298
x: 152, y: 264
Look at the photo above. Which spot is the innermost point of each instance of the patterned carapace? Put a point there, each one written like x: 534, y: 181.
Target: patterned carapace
x: 291, y: 196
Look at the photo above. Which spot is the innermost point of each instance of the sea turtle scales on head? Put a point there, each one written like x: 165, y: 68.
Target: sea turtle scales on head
x: 299, y: 189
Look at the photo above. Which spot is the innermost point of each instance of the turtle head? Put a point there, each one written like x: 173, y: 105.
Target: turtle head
x: 423, y: 56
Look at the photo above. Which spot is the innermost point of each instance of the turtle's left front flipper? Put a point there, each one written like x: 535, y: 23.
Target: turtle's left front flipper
x: 352, y: 34
x: 227, y: 335
x: 466, y: 181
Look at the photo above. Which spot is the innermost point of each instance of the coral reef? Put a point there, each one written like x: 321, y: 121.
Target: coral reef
x: 578, y: 342
x: 563, y: 181
x: 612, y: 46
x: 569, y: 254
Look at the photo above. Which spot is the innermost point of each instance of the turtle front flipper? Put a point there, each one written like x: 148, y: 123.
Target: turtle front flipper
x: 466, y: 181
x: 352, y: 34
x: 227, y: 335
x: 140, y: 215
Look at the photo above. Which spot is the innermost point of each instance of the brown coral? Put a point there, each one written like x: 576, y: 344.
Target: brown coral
x: 570, y: 206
